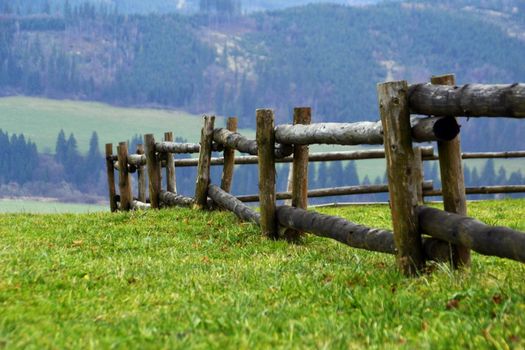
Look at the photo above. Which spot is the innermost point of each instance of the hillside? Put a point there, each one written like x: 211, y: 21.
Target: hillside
x: 327, y: 56
x: 181, y: 279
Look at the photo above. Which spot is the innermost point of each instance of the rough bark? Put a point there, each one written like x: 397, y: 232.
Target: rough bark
x: 419, y: 174
x: 471, y: 100
x: 234, y: 140
x: 139, y: 205
x: 175, y: 147
x: 229, y: 159
x: 452, y: 178
x: 457, y: 229
x: 227, y: 201
x: 170, y: 199
x: 153, y: 166
x: 111, y: 177
x: 434, y: 129
x: 141, y: 176
x: 203, y: 170
x: 124, y: 183
x: 265, y: 136
x: 395, y: 117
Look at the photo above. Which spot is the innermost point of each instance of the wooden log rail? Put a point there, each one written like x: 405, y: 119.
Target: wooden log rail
x: 498, y: 241
x: 170, y: 199
x: 227, y: 201
x: 471, y: 100
x: 360, y: 133
x: 482, y: 190
x: 352, y: 234
x: 234, y: 140
x: 328, y: 192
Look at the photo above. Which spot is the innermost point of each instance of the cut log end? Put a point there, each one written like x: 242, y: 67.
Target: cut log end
x: 446, y: 129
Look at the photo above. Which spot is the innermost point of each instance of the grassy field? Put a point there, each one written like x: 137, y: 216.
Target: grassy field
x: 46, y: 207
x: 186, y: 279
x: 41, y: 120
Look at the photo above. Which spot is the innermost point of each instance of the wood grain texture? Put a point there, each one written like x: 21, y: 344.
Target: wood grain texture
x: 452, y: 178
x: 154, y: 168
x: 171, y: 180
x: 395, y: 117
x: 141, y: 176
x: 265, y: 136
x: 203, y: 169
x: 471, y: 100
x: 170, y: 199
x: 227, y: 201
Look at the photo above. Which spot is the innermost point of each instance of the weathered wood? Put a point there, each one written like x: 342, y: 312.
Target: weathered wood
x: 139, y: 205
x: 176, y: 147
x: 141, y: 176
x: 395, y: 117
x: 461, y: 230
x: 137, y: 160
x: 171, y: 181
x: 452, y: 178
x: 301, y: 116
x: 289, y: 184
x: 477, y: 155
x: 471, y: 100
x: 428, y: 154
x: 227, y: 201
x: 419, y: 174
x: 354, y: 235
x: 203, y: 169
x: 482, y: 190
x: 124, y: 182
x: 154, y: 171
x: 229, y: 158
x: 330, y: 192
x: 170, y: 199
x: 434, y: 129
x: 371, y: 133
x: 111, y: 177
x: 265, y: 135
x: 234, y: 140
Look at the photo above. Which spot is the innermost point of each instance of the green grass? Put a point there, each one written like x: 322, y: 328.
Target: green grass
x: 41, y: 121
x: 46, y: 207
x: 187, y: 279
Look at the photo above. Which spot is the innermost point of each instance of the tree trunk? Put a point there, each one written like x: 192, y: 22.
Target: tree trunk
x: 203, y: 170
x: 229, y: 202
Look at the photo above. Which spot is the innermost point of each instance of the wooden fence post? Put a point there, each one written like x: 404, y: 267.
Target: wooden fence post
x: 265, y: 135
x: 452, y: 179
x: 141, y: 177
x: 419, y: 174
x: 302, y: 115
x: 229, y: 159
x: 402, y: 185
x: 124, y: 182
x: 111, y: 177
x: 154, y: 168
x: 171, y: 182
x: 203, y: 169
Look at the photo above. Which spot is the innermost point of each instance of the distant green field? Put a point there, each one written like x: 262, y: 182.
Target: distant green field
x: 41, y: 121
x: 45, y: 207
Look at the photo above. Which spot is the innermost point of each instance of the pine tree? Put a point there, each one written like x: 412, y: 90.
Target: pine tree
x: 488, y: 175
x: 61, y: 148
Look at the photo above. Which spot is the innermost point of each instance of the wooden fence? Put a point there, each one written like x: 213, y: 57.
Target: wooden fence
x: 447, y: 235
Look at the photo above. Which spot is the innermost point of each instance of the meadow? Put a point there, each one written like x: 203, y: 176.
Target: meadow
x: 183, y: 279
x: 46, y: 207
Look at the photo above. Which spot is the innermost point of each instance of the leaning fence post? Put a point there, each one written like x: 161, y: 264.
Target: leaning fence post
x: 301, y: 115
x: 229, y: 159
x: 171, y: 183
x: 402, y: 186
x: 203, y: 169
x: 154, y: 168
x: 452, y: 179
x: 124, y: 183
x: 141, y: 177
x: 111, y: 177
x: 265, y: 135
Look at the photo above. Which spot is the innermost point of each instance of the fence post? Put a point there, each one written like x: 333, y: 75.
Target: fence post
x: 154, y: 168
x: 171, y: 182
x: 402, y: 185
x: 203, y: 169
x: 452, y: 179
x: 111, y: 177
x: 124, y: 178
x: 301, y: 115
x: 141, y: 178
x: 419, y: 174
x: 265, y: 135
x: 229, y: 159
